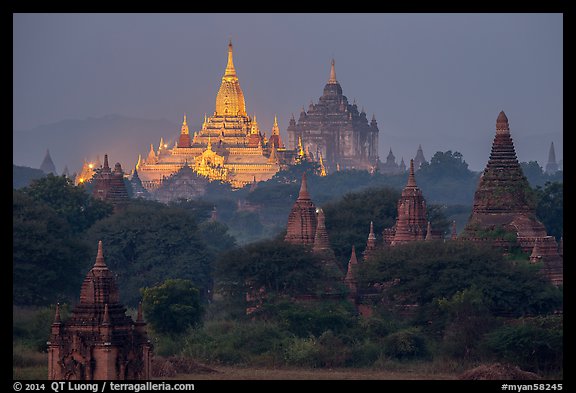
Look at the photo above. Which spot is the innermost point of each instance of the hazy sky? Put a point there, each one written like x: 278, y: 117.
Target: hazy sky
x: 436, y: 80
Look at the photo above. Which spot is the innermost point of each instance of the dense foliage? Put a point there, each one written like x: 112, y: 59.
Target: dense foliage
x: 173, y: 306
x: 149, y: 242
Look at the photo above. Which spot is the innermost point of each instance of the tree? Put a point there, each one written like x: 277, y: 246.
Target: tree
x: 71, y: 202
x: 423, y: 272
x: 550, y: 208
x: 446, y: 179
x: 173, y: 306
x: 274, y: 265
x: 348, y: 220
x: 48, y: 260
x: 149, y: 242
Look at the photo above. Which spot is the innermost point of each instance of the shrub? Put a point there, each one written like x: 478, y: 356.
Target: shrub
x: 406, y: 344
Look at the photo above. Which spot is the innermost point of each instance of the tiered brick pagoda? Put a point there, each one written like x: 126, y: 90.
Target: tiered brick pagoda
x: 504, y: 207
x: 302, y: 220
x: 411, y: 224
x: 99, y: 341
x: 109, y: 185
x: 336, y: 130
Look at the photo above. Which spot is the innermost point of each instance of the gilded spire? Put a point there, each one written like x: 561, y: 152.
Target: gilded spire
x: 301, y: 153
x: 322, y: 167
x: 139, y: 161
x: 332, y: 79
x: 184, y: 126
x: 275, y: 128
x: 230, y: 70
x: 100, y: 256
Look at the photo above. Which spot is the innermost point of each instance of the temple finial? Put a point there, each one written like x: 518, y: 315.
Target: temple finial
x: 230, y: 70
x: 139, y: 317
x: 57, y: 314
x: 100, y: 256
x: 332, y: 79
x: 304, y: 188
x: 411, y: 179
x: 502, y: 125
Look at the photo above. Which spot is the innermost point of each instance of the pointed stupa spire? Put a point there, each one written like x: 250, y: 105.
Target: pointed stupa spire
x: 304, y: 188
x: 321, y: 241
x: 371, y: 243
x: 411, y: 180
x: 552, y: 165
x: 230, y: 70
x: 275, y: 128
x: 536, y: 254
x: 105, y: 162
x: 100, y: 256
x: 57, y: 314
x: 47, y: 165
x: 332, y: 79
x: 139, y: 317
x: 184, y: 129
x: 454, y: 233
x: 429, y: 232
x: 350, y: 279
x: 502, y: 125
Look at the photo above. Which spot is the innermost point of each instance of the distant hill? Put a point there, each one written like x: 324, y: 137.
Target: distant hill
x: 23, y: 175
x: 71, y: 141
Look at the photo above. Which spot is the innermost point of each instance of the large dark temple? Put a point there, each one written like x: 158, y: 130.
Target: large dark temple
x: 336, y: 131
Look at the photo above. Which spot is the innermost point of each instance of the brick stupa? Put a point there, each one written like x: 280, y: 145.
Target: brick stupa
x: 504, y: 207
x: 411, y: 223
x: 302, y: 221
x: 109, y: 185
x: 99, y: 341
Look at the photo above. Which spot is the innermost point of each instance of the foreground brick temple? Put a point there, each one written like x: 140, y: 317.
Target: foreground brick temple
x: 99, y: 341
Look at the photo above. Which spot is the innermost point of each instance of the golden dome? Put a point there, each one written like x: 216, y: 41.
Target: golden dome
x: 230, y: 99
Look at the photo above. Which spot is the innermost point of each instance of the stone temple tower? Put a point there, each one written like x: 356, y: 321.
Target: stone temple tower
x: 503, y: 202
x: 411, y: 222
x: 302, y: 221
x: 99, y: 341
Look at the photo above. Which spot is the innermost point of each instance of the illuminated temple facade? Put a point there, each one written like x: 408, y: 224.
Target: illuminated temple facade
x: 229, y: 147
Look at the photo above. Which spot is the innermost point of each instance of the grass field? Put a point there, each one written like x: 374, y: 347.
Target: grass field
x: 239, y: 373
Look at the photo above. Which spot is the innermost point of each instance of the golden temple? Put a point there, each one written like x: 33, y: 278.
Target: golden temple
x: 229, y: 147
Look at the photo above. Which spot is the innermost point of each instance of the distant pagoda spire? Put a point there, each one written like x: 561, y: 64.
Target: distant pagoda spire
x: 552, y: 165
x: 454, y: 235
x: 370, y: 243
x: 321, y: 241
x: 428, y: 232
x: 47, y: 165
x: 350, y: 278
